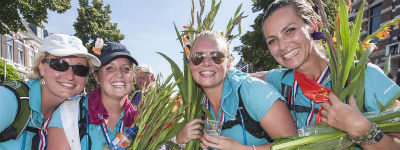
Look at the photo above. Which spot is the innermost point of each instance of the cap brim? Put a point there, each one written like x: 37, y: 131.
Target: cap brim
x: 104, y: 60
x: 72, y: 52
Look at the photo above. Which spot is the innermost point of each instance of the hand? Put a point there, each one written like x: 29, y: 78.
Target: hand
x: 220, y: 142
x: 192, y: 130
x: 345, y: 117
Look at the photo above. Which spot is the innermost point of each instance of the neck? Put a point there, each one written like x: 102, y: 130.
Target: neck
x: 315, y: 65
x: 214, y: 98
x: 114, y: 108
x: 49, y: 103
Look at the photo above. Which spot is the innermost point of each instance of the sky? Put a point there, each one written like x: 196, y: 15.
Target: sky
x: 148, y: 26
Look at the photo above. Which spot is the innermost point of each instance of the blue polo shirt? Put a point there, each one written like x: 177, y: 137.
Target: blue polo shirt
x: 257, y: 97
x: 376, y: 82
x: 95, y: 131
x: 8, y: 111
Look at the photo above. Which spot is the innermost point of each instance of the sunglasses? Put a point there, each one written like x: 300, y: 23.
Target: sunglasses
x: 216, y: 56
x: 62, y: 65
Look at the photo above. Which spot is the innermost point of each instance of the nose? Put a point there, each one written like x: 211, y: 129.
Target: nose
x: 283, y: 44
x: 69, y: 74
x: 207, y: 60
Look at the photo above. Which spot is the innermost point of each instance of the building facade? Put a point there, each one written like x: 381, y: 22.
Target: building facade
x: 19, y: 49
x: 376, y: 14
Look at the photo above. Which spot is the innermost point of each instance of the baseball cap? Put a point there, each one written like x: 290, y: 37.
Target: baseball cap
x: 112, y: 50
x: 66, y: 45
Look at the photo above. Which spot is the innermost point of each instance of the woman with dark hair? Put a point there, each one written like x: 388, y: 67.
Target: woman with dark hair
x: 289, y: 26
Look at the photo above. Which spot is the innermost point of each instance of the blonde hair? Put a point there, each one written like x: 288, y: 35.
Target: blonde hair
x: 221, y: 40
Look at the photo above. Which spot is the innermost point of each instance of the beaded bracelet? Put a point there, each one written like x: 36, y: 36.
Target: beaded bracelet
x: 366, y: 137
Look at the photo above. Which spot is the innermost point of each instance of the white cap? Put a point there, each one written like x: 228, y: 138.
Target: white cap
x: 65, y: 45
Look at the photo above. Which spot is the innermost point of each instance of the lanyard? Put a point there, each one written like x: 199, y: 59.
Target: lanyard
x: 320, y: 80
x: 105, y: 130
x: 221, y: 120
x: 43, y: 134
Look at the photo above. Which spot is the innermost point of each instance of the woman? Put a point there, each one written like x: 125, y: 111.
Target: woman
x: 210, y: 63
x: 60, y: 74
x: 288, y: 26
x: 108, y: 110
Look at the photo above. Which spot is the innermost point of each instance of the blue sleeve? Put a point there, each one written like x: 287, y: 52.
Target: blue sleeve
x: 378, y: 87
x: 8, y: 107
x: 258, y: 97
x: 56, y: 119
x: 274, y: 77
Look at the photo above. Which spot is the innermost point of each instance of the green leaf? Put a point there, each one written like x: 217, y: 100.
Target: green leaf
x: 386, y: 68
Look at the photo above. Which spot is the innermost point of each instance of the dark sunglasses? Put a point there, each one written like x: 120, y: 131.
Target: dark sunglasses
x: 216, y: 56
x: 61, y: 65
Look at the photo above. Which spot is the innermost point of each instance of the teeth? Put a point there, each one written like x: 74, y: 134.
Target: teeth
x: 118, y: 84
x: 293, y: 52
x: 68, y: 85
x: 207, y: 72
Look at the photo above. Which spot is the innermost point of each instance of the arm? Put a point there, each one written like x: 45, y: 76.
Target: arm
x: 276, y: 122
x: 259, y: 75
x: 56, y: 139
x: 348, y: 118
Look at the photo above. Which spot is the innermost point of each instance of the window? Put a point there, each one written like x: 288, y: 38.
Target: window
x: 9, y: 48
x: 31, y: 56
x: 392, y: 49
x: 21, y: 54
x: 375, y: 20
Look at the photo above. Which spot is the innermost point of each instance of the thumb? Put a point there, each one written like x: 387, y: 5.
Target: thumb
x: 352, y: 102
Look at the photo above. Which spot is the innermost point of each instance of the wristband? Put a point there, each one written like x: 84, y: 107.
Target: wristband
x: 374, y: 135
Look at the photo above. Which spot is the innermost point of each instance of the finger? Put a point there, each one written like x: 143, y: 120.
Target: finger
x: 196, y: 127
x: 324, y: 120
x: 195, y: 121
x: 324, y: 112
x: 326, y: 106
x: 203, y: 146
x: 352, y: 102
x: 333, y: 98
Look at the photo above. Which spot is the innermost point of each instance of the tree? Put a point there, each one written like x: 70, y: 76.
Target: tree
x: 33, y: 11
x: 12, y: 74
x: 93, y: 22
x: 254, y: 49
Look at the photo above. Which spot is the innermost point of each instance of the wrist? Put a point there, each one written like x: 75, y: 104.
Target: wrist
x: 360, y: 129
x: 374, y: 135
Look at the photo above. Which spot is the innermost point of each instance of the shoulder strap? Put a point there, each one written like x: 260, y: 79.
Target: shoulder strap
x: 83, y: 122
x: 21, y: 91
x: 252, y: 126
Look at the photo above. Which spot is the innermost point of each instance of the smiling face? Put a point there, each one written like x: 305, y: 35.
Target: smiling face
x: 62, y: 85
x: 289, y: 37
x: 115, y: 78
x: 143, y: 79
x: 209, y: 74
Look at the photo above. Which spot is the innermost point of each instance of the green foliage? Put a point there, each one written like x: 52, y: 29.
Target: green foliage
x: 33, y: 11
x: 93, y: 22
x: 12, y: 74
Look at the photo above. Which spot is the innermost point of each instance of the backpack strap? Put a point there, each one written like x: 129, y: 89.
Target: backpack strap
x: 83, y: 122
x: 252, y: 126
x: 21, y: 91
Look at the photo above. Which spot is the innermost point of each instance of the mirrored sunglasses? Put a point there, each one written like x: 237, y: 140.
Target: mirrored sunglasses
x: 62, y: 65
x: 216, y: 56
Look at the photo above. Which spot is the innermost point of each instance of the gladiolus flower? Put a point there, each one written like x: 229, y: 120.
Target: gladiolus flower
x: 383, y: 34
x: 187, y: 51
x: 334, y: 40
x: 185, y: 27
x: 96, y: 51
x: 175, y: 106
x: 168, y: 125
x: 366, y: 45
x: 180, y: 99
x: 140, y: 137
x: 185, y: 40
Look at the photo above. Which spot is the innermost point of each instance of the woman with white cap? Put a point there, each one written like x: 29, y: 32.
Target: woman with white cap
x: 60, y: 73
x: 107, y: 109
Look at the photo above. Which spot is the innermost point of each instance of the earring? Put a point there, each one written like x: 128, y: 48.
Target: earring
x: 42, y: 82
x: 317, y: 35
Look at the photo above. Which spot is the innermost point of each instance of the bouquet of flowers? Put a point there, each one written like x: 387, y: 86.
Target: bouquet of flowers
x: 344, y: 48
x: 190, y: 91
x: 159, y: 112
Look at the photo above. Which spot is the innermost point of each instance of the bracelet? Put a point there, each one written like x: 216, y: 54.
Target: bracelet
x: 254, y: 147
x: 367, y: 137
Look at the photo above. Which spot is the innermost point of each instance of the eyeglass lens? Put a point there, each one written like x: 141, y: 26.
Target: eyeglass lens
x: 216, y: 56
